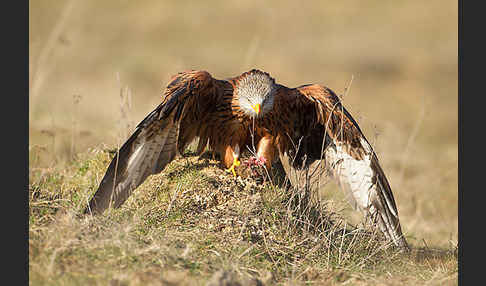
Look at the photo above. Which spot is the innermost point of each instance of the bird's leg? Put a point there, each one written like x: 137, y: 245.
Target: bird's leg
x: 261, y: 162
x: 265, y: 152
x: 236, y: 162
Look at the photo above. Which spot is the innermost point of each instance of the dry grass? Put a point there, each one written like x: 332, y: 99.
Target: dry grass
x: 218, y: 225
x: 97, y: 68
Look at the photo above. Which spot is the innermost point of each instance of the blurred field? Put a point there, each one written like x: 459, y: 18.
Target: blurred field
x: 401, y: 57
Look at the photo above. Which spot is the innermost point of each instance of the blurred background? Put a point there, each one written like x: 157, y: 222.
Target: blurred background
x: 98, y: 67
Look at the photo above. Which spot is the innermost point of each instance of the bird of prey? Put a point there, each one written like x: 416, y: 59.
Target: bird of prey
x: 306, y: 128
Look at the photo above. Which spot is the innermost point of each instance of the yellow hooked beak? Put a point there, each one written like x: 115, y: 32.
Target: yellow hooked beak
x: 256, y: 108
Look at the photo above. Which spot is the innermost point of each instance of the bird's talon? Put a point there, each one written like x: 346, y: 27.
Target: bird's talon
x: 231, y: 169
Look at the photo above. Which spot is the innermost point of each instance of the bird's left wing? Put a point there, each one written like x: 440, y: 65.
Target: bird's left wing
x: 317, y: 138
x: 190, y: 100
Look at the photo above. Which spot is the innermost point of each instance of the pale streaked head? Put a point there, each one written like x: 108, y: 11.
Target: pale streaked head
x: 255, y: 91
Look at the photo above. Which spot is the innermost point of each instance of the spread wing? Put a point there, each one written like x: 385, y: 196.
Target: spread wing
x: 190, y: 104
x: 318, y: 139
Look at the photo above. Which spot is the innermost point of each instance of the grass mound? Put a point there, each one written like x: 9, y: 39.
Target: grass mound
x: 195, y: 224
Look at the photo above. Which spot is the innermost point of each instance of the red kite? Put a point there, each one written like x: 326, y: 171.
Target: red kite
x: 306, y: 128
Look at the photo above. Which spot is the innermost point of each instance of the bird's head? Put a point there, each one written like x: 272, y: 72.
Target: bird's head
x: 255, y: 91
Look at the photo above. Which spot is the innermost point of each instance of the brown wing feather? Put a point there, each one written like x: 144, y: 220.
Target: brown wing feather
x: 317, y: 137
x: 189, y: 106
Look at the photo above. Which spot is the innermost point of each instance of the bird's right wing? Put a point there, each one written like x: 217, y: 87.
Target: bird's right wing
x: 318, y: 138
x: 189, y: 98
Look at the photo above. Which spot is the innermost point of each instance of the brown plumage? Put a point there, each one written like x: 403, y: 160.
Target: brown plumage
x: 194, y: 105
x: 306, y: 128
x: 317, y: 138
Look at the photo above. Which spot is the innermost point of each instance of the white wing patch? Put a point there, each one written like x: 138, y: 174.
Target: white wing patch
x: 354, y: 176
